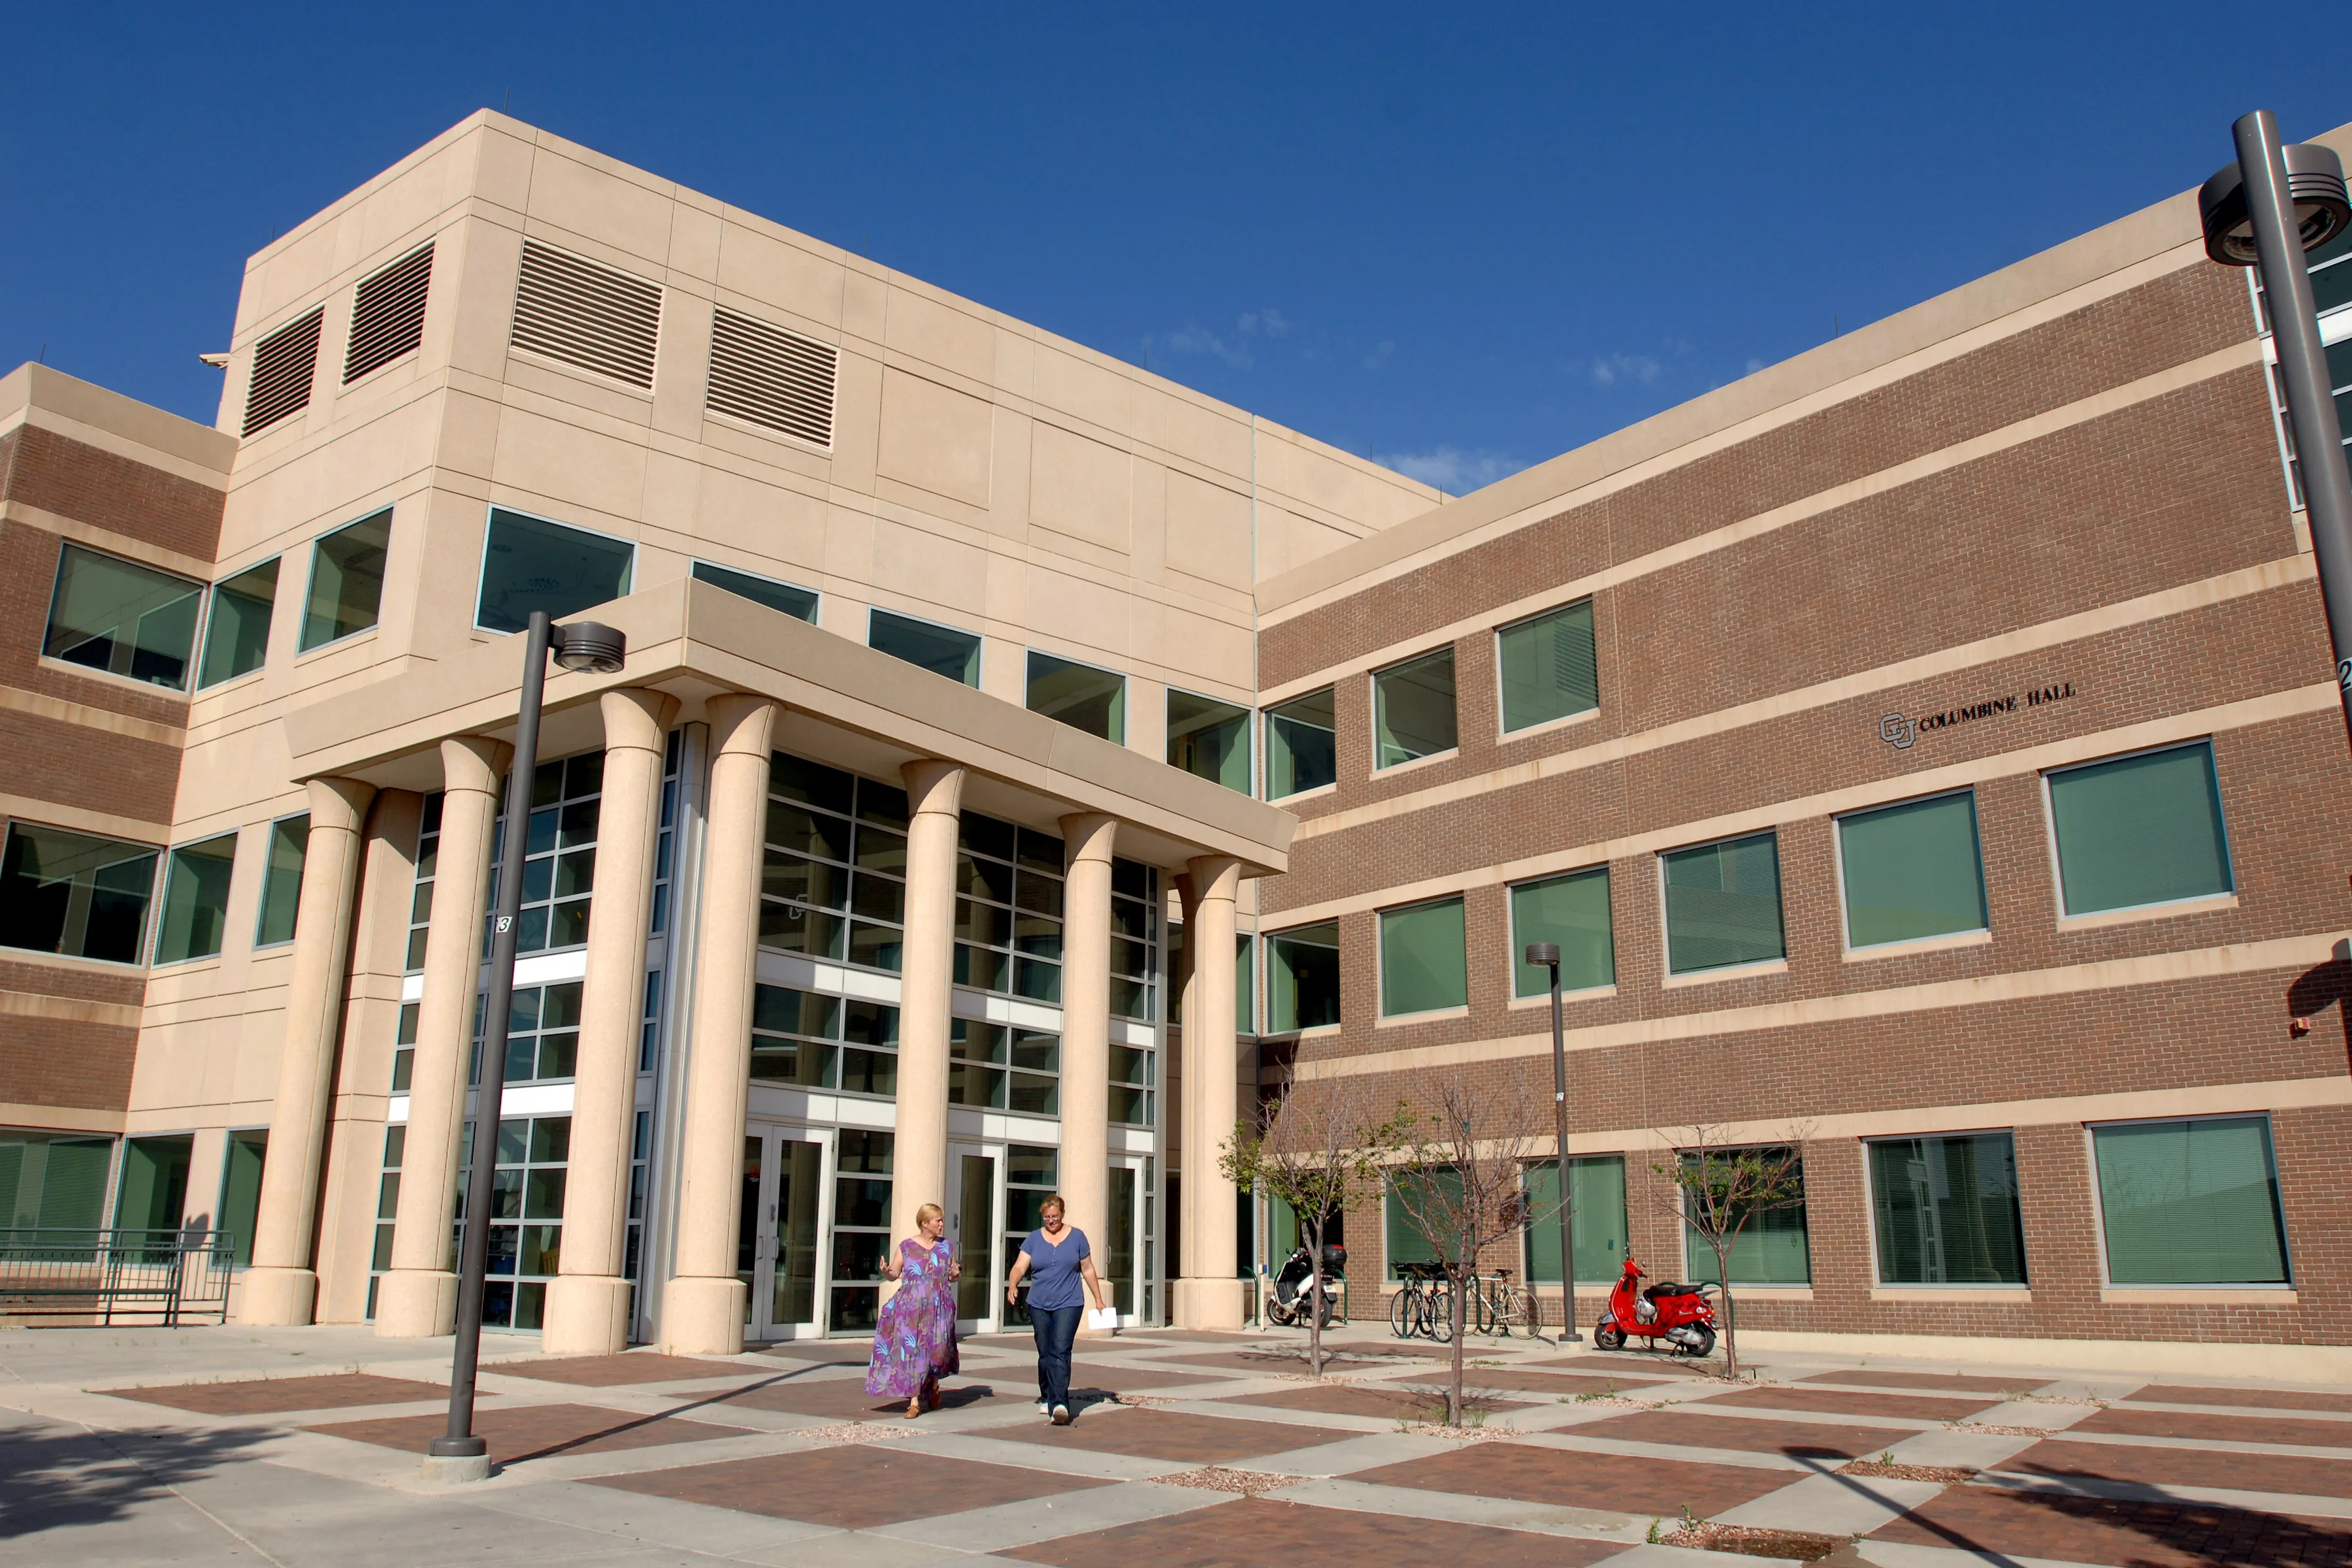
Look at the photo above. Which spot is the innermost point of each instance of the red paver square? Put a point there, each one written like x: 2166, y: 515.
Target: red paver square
x: 1798, y: 1440
x: 2287, y: 1473
x: 2134, y: 1534
x: 1527, y: 1380
x: 1836, y: 1402
x: 852, y: 1486
x: 1175, y: 1435
x: 1562, y: 1479
x: 2197, y: 1427
x: 845, y: 1399
x: 1087, y: 1377
x: 616, y: 1371
x: 1259, y: 1364
x: 1639, y: 1364
x: 1931, y: 1382
x: 1381, y: 1400
x: 277, y: 1396
x: 823, y: 1353
x: 538, y: 1431
x: 1262, y: 1532
x: 2250, y: 1398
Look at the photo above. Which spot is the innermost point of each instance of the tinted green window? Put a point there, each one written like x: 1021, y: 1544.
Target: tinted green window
x: 195, y: 900
x: 237, y: 637
x: 1770, y: 1248
x: 72, y: 894
x: 1548, y: 670
x: 241, y: 1190
x: 346, y: 591
x: 1723, y: 904
x: 154, y: 1188
x: 1405, y: 1241
x: 1572, y: 910
x: 798, y: 603
x: 2190, y: 1203
x: 1912, y: 871
x: 1244, y: 983
x: 1078, y: 695
x: 1422, y: 963
x: 1412, y: 709
x: 281, y: 880
x: 942, y: 650
x: 1301, y: 745
x: 53, y: 1182
x: 1597, y: 1218
x: 124, y: 618
x: 1302, y: 978
x: 2140, y: 830
x: 1946, y: 1211
x: 1209, y: 738
x: 529, y: 565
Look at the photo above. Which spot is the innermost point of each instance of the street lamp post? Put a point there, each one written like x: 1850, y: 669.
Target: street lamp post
x: 2276, y: 202
x: 459, y: 1454
x: 1546, y: 955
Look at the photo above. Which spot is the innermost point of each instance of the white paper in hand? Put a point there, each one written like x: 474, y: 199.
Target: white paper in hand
x: 1102, y: 1319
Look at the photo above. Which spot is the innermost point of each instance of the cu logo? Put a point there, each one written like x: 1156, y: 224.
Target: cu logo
x: 1898, y: 731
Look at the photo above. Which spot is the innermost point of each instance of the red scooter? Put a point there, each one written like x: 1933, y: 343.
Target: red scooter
x: 1681, y: 1315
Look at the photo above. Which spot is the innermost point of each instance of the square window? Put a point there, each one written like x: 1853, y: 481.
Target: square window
x: 1302, y: 978
x: 72, y: 894
x: 1423, y: 966
x: 346, y: 590
x: 798, y: 603
x: 1770, y: 1248
x: 1078, y: 695
x: 1596, y: 1217
x: 1912, y: 871
x: 196, y: 901
x: 1573, y: 912
x: 2190, y: 1202
x: 1723, y: 904
x: 1548, y: 669
x: 529, y: 564
x: 1406, y: 1241
x: 236, y: 635
x: 124, y: 618
x: 1412, y: 709
x: 1301, y: 745
x: 1946, y: 1210
x: 2140, y: 830
x: 942, y: 650
x: 1210, y: 739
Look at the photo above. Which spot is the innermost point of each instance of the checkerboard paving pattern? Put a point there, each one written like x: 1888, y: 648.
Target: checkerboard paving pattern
x: 280, y: 1395
x: 538, y: 1431
x: 1260, y: 1533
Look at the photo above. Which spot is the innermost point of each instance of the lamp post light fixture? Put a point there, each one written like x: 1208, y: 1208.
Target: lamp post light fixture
x: 2264, y: 211
x: 583, y: 647
x: 1546, y: 955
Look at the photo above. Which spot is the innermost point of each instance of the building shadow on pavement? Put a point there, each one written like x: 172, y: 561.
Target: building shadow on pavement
x: 55, y: 1477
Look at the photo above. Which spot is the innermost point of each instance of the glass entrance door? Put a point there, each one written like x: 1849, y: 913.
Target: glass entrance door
x: 785, y: 1166
x: 973, y: 1227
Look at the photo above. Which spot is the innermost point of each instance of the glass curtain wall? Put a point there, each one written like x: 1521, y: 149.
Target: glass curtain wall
x: 810, y: 1041
x: 861, y: 1229
x: 1031, y: 1174
x: 559, y: 870
x: 833, y: 881
x: 1009, y: 910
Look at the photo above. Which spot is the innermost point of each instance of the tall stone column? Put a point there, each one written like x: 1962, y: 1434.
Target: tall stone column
x: 418, y: 1298
x: 703, y: 1306
x: 1213, y: 1296
x: 1087, y: 839
x: 1188, y: 1120
x: 588, y: 1301
x: 919, y: 1152
x: 281, y: 1288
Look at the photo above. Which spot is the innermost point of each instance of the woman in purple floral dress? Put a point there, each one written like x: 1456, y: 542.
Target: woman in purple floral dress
x: 915, y: 1343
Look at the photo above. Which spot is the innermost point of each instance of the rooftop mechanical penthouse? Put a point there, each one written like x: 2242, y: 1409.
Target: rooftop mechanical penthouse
x: 1922, y: 752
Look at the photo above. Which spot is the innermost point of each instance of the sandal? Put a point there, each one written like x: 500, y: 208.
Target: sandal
x: 914, y: 1408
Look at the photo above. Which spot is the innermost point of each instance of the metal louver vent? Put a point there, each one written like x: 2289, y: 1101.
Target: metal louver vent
x: 388, y: 314
x: 595, y: 317
x: 771, y: 377
x: 283, y: 364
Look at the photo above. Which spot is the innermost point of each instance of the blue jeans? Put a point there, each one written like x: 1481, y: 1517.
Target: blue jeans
x: 1055, y: 1329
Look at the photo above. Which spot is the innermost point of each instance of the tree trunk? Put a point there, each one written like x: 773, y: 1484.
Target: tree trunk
x: 1459, y: 1311
x: 1315, y: 1303
x: 1730, y: 1343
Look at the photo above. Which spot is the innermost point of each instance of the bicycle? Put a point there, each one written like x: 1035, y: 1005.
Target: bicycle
x: 1423, y: 1305
x: 1500, y: 1304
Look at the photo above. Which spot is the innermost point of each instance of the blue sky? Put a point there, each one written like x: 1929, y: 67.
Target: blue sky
x: 1461, y: 238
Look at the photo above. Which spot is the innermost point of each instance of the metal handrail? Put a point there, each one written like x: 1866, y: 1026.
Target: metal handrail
x: 173, y: 1275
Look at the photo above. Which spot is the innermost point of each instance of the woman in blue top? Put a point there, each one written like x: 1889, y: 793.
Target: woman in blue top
x: 1057, y: 1255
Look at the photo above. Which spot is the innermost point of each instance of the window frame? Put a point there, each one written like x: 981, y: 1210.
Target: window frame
x: 204, y: 623
x: 1503, y: 731
x: 1380, y: 959
x: 482, y: 560
x: 1266, y: 714
x: 980, y: 641
x: 2127, y: 912
x: 261, y: 894
x: 2099, y: 1203
x: 1452, y: 655
x: 151, y: 912
x: 1666, y: 926
x: 192, y: 667
x: 1249, y: 733
x: 310, y: 581
x: 1511, y: 925
x: 1971, y: 937
x: 1266, y: 938
x: 816, y: 610
x: 1029, y: 658
x: 1692, y: 1235
x: 166, y: 866
x: 1878, y: 1281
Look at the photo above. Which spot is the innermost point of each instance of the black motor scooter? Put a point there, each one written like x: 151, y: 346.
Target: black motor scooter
x: 1295, y: 1282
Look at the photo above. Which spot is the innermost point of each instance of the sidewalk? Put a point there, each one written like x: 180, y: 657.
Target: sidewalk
x: 299, y: 1447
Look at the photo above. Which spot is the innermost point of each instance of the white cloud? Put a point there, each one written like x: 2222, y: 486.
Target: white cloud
x: 1270, y: 321
x: 1379, y: 355
x: 1642, y: 368
x: 1453, y: 469
x: 1754, y: 365
x: 1201, y: 341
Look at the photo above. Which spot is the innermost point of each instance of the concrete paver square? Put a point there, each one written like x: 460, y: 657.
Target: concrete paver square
x: 275, y: 1396
x: 2197, y: 1427
x: 854, y: 1486
x: 1564, y: 1478
x: 844, y: 1398
x: 538, y: 1431
x: 825, y: 1353
x: 1931, y: 1382
x: 1528, y: 1380
x: 1798, y: 1440
x: 1382, y: 1401
x: 1174, y: 1436
x: 2252, y: 1398
x: 1636, y: 1363
x: 1838, y: 1402
x: 2130, y: 1534
x: 1259, y: 1533
x: 618, y: 1370
x: 2287, y: 1473
x: 1101, y: 1378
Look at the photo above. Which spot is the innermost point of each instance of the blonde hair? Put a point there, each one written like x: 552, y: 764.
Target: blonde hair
x: 1054, y: 1201
x: 928, y: 1212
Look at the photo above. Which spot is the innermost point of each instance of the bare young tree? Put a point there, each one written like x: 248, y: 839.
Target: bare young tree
x: 1717, y: 1189
x: 1460, y: 1177
x: 1315, y: 1150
